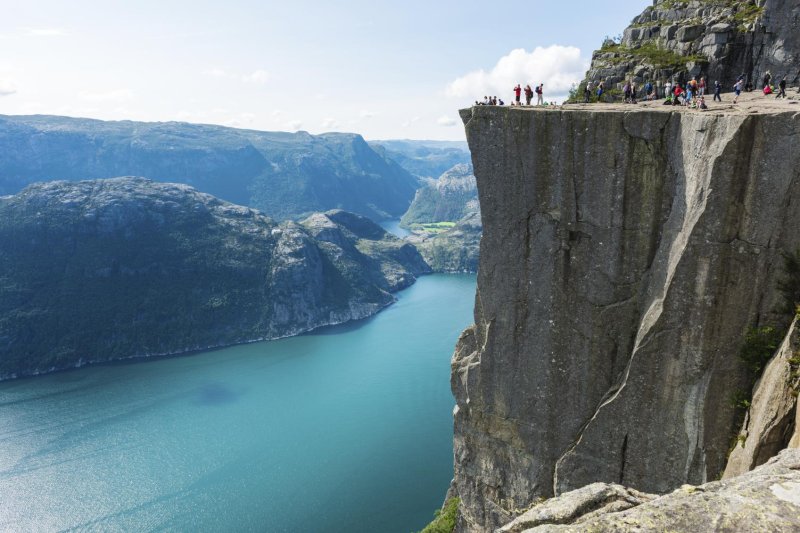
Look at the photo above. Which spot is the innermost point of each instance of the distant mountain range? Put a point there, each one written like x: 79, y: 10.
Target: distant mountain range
x: 425, y: 159
x: 110, y: 269
x: 285, y: 175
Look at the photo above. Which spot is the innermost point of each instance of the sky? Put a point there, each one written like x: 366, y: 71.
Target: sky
x: 384, y: 69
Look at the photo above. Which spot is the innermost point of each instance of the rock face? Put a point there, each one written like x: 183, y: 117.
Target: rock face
x: 285, y: 175
x: 108, y: 269
x: 770, y: 422
x: 718, y: 39
x: 767, y: 499
x: 624, y: 257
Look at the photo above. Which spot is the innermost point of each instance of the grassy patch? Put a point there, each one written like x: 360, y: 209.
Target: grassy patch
x: 444, y: 520
x: 651, y: 54
x: 433, y: 227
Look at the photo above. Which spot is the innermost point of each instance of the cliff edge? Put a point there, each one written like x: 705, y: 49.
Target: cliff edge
x: 625, y: 254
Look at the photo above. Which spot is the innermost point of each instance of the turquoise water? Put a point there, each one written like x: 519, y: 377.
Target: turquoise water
x: 346, y: 430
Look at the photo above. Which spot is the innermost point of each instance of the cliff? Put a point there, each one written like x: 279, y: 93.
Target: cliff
x: 94, y: 271
x: 284, y: 175
x: 624, y: 257
x: 718, y: 39
x: 448, y: 198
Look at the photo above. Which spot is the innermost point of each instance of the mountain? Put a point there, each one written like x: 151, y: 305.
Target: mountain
x: 424, y: 159
x: 285, y: 175
x: 445, y: 221
x: 451, y: 197
x: 99, y: 270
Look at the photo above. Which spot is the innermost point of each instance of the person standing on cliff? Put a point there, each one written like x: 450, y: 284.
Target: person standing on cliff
x: 767, y: 79
x: 587, y: 92
x: 528, y: 94
x: 738, y: 90
x: 540, y: 94
x: 600, y: 88
x: 702, y: 86
x: 782, y: 88
x: 517, y: 93
x: 717, y: 91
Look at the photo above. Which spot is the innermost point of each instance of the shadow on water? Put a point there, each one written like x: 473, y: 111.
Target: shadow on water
x: 216, y: 394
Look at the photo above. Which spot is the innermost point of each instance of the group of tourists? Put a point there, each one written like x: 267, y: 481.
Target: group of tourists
x: 691, y: 94
x: 539, y: 91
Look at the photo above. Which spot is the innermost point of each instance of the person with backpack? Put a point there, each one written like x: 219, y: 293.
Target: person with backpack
x: 648, y: 91
x: 528, y: 94
x: 600, y: 89
x: 540, y: 94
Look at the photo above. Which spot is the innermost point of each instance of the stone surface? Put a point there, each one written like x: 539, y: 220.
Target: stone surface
x: 769, y: 423
x: 594, y: 499
x: 101, y: 270
x: 718, y: 39
x: 624, y: 256
x: 766, y: 499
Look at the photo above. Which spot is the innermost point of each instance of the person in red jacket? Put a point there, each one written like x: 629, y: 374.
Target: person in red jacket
x: 517, y: 92
x: 528, y: 94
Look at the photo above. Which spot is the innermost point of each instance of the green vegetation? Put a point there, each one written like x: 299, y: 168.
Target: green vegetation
x: 759, y: 346
x: 444, y: 519
x: 433, y: 227
x: 651, y: 54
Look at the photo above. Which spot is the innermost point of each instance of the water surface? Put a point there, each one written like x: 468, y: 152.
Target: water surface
x: 345, y: 430
x: 393, y: 227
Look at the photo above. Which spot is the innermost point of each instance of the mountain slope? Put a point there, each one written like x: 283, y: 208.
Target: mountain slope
x: 286, y: 175
x: 108, y: 269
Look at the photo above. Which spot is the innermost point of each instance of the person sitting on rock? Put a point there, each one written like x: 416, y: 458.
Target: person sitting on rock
x: 678, y: 94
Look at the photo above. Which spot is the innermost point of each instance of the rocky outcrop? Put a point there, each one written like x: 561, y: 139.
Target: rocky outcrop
x: 718, y: 39
x: 770, y: 421
x: 624, y: 257
x: 767, y: 499
x: 101, y: 270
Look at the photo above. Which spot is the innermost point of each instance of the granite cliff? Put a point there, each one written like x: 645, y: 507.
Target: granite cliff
x: 718, y: 39
x: 93, y: 271
x: 625, y: 256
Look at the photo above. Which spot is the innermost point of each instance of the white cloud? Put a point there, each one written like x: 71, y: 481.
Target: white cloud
x: 409, y: 122
x: 117, y: 95
x: 294, y: 125
x: 259, y: 77
x: 45, y: 32
x: 330, y: 123
x: 446, y: 121
x: 366, y: 114
x: 7, y: 87
x: 558, y: 67
x: 215, y: 73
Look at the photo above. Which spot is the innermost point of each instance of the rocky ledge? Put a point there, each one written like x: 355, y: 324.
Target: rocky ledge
x: 101, y: 270
x: 766, y: 499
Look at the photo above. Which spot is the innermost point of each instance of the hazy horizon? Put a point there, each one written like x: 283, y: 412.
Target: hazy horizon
x: 385, y: 71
